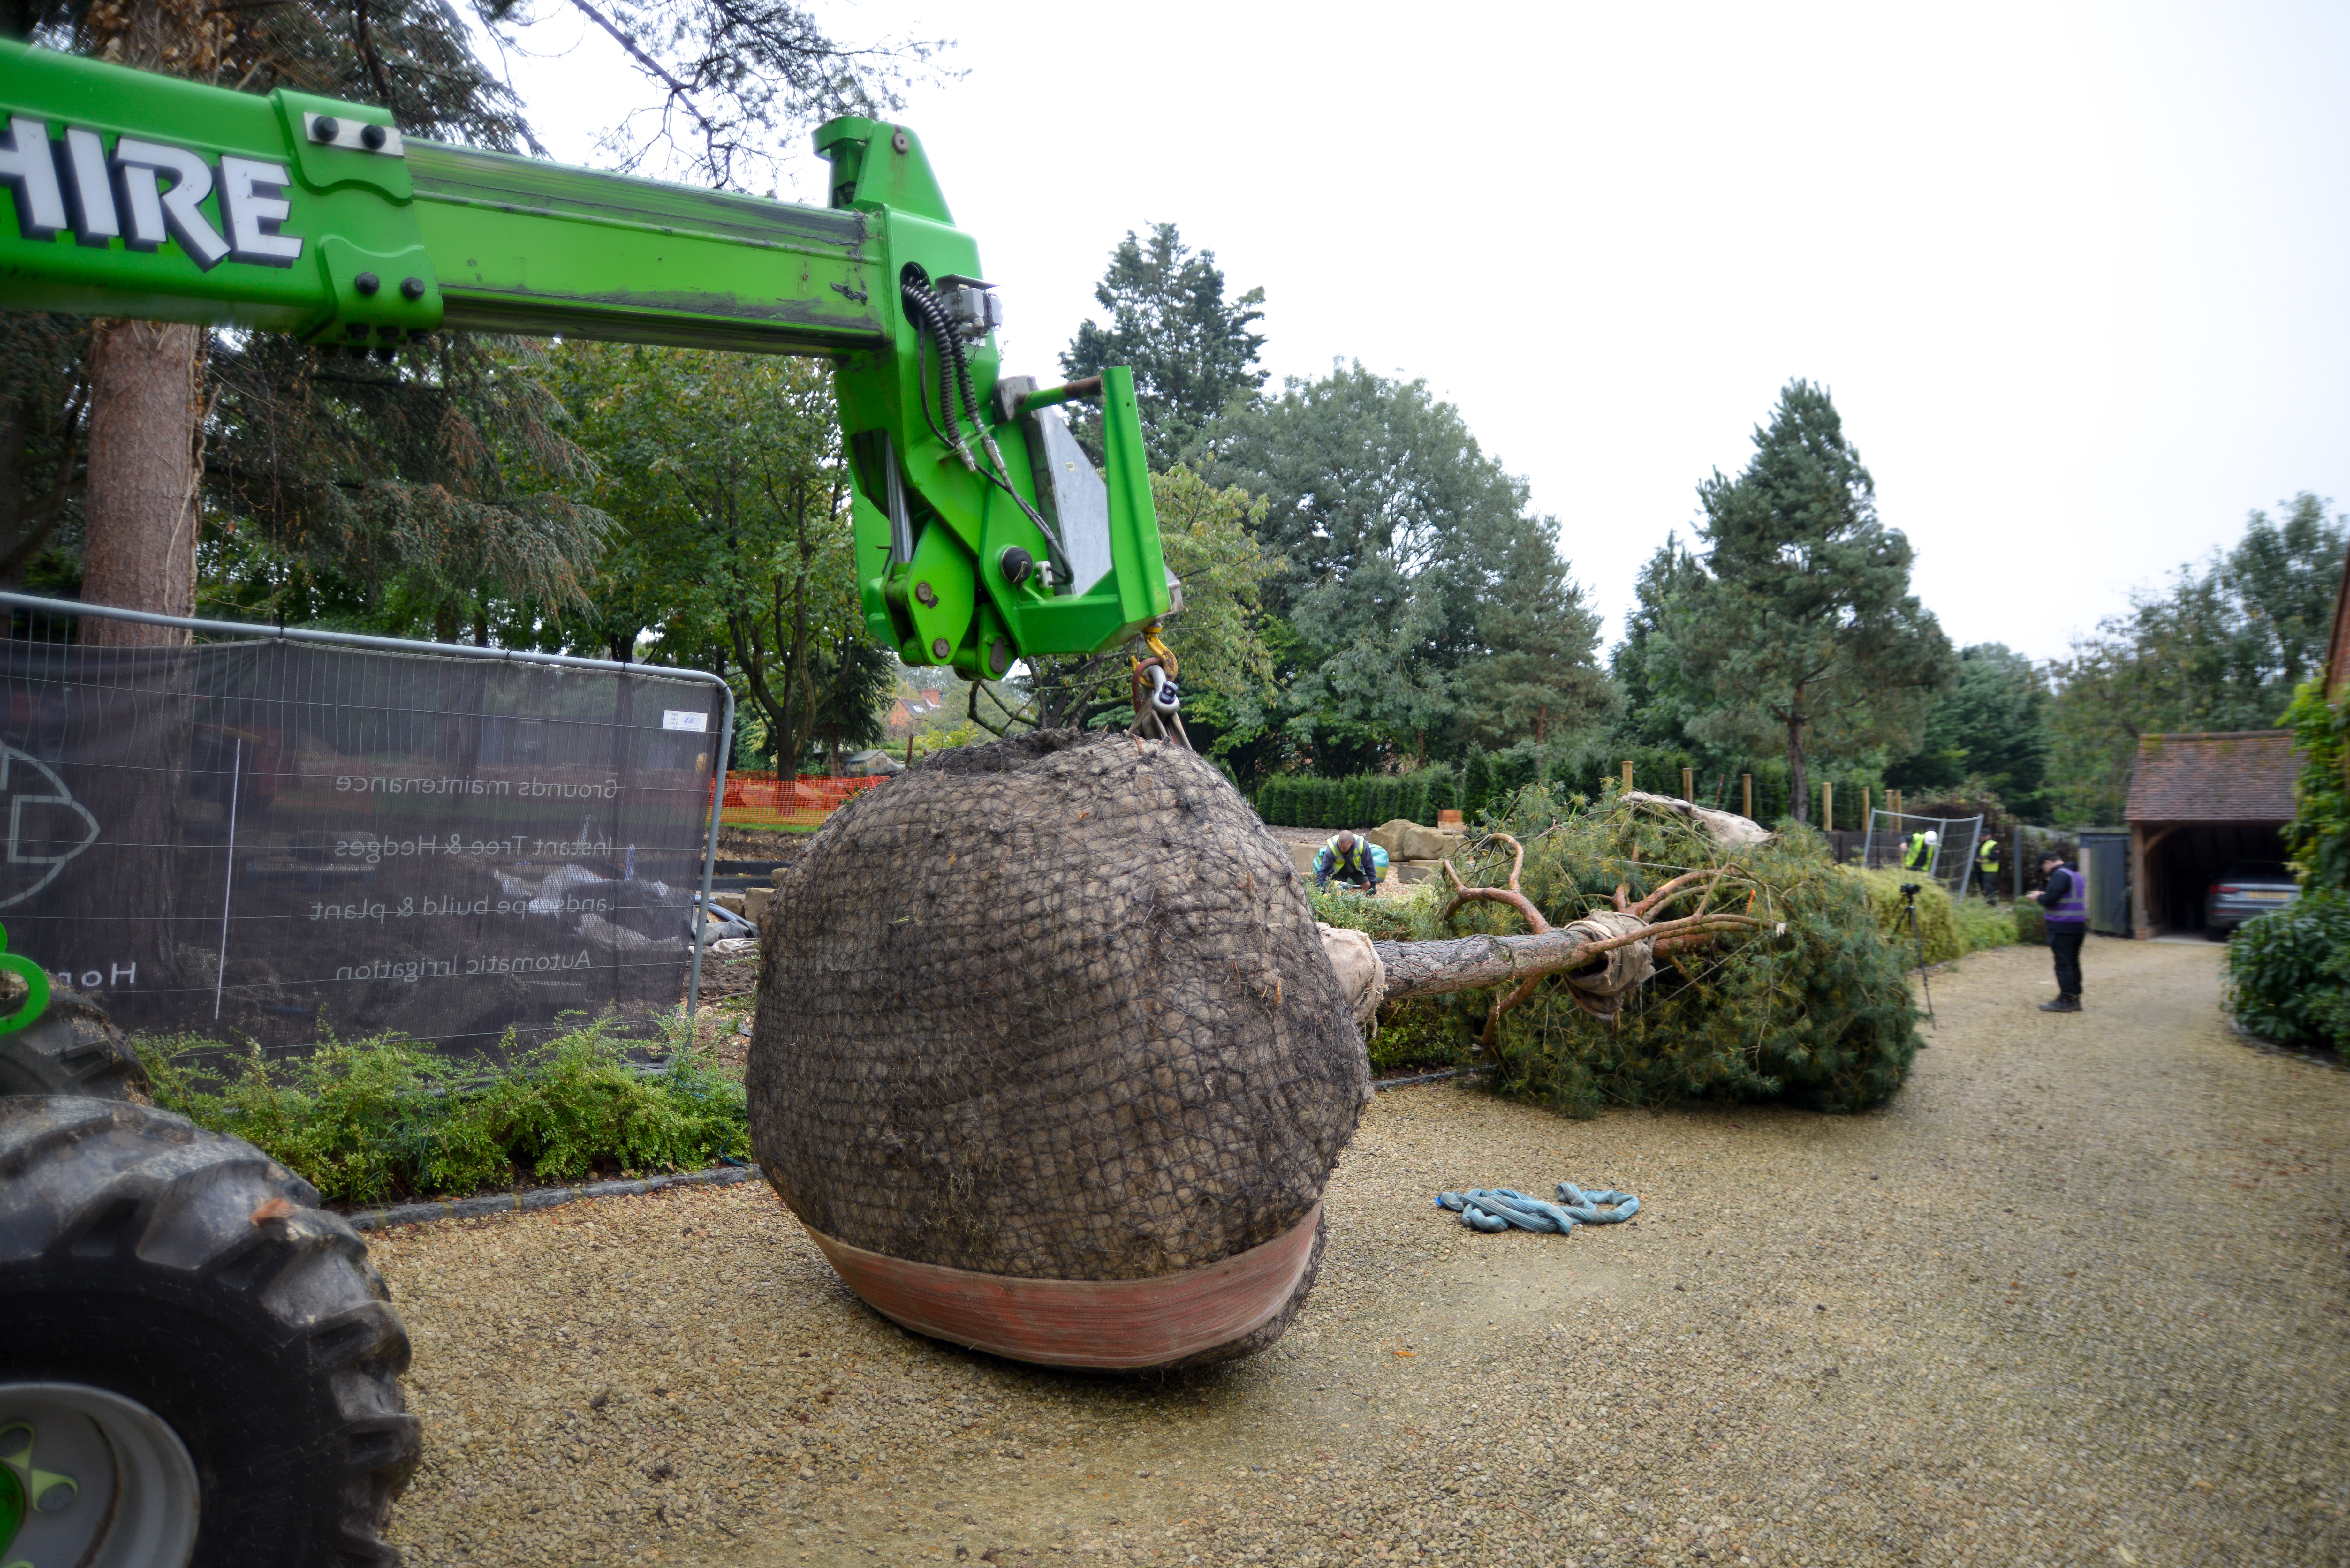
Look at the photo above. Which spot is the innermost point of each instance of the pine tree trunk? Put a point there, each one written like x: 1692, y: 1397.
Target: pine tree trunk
x: 1798, y: 787
x: 140, y: 548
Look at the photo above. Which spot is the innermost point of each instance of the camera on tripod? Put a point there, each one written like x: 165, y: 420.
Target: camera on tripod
x: 1911, y: 889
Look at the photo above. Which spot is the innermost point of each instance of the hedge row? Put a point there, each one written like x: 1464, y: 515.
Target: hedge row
x: 1302, y: 800
x: 1488, y: 781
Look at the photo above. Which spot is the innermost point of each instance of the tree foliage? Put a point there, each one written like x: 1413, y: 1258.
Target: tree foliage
x: 1987, y: 735
x: 2222, y: 649
x: 736, y: 82
x: 1192, y: 351
x: 44, y: 426
x: 420, y: 492
x: 724, y: 471
x: 401, y: 493
x: 2319, y: 838
x: 1818, y: 1014
x: 1209, y: 538
x: 1797, y: 625
x: 1423, y: 606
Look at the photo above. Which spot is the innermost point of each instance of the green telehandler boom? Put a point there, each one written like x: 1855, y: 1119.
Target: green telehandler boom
x: 983, y: 535
x: 197, y: 1363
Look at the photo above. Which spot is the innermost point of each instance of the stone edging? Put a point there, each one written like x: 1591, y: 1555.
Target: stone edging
x: 541, y: 1198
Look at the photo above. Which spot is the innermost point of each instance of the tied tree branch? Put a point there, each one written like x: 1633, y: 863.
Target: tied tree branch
x: 1579, y: 952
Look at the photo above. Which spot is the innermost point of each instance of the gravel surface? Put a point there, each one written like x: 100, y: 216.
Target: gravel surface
x: 2077, y: 1296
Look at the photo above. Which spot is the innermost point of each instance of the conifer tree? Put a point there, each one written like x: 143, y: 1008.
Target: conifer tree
x: 1192, y: 351
x: 1800, y: 626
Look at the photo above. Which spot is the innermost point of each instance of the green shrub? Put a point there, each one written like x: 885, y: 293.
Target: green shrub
x: 1982, y: 926
x: 2288, y: 973
x: 1385, y: 920
x: 1935, y: 922
x: 1818, y: 1013
x: 369, y: 1120
x: 2031, y: 925
x: 1426, y: 1034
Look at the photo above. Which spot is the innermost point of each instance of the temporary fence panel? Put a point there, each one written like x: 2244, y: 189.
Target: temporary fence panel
x: 1950, y: 859
x: 756, y: 800
x: 276, y: 839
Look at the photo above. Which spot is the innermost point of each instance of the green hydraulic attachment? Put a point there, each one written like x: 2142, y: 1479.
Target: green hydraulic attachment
x: 983, y: 535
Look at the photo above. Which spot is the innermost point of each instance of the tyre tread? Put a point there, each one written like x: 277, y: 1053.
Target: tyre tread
x: 111, y: 1181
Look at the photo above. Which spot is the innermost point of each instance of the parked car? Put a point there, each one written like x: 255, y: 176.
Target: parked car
x: 2250, y: 889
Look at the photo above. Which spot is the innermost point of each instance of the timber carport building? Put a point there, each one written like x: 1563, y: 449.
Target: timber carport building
x: 2198, y: 804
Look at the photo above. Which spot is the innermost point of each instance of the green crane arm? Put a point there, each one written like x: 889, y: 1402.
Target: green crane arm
x: 982, y: 533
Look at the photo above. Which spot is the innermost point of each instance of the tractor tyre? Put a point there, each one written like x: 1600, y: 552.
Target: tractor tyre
x: 73, y: 1048
x: 197, y: 1365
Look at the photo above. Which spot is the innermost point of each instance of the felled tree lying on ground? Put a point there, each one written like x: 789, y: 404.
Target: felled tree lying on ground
x: 1811, y: 1007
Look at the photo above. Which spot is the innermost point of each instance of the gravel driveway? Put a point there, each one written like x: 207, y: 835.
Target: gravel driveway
x: 2078, y: 1296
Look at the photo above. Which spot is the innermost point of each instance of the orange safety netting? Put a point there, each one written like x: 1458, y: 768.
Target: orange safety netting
x: 804, y: 801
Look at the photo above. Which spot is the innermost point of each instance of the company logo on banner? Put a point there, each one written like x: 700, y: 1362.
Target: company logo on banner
x: 42, y: 815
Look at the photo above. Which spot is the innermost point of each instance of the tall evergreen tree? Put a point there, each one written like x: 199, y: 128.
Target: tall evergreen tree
x: 1192, y: 351
x: 1802, y: 628
x: 1659, y: 702
x: 1424, y: 604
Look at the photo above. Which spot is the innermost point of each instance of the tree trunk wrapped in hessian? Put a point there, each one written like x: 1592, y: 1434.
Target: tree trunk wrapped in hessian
x: 1049, y: 1058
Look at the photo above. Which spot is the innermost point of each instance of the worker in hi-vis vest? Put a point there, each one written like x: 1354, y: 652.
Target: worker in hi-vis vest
x: 1920, y: 856
x: 1987, y: 870
x: 2065, y: 905
x: 1347, y: 859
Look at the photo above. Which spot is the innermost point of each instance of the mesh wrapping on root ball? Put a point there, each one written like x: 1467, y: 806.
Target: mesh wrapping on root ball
x: 1057, y: 1009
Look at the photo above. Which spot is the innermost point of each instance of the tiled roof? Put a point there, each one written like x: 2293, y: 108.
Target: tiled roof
x: 2227, y: 775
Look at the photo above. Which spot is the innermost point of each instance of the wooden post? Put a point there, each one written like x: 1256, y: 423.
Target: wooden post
x: 1689, y: 784
x: 1746, y: 794
x: 1867, y: 814
x: 1828, y: 806
x: 1627, y: 773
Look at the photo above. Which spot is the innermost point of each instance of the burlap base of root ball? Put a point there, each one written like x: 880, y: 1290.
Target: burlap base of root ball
x: 1055, y: 1009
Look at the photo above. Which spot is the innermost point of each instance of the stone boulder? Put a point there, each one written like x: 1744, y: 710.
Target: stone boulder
x: 1726, y: 828
x: 1409, y: 841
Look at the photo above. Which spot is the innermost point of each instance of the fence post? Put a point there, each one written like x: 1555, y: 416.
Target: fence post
x: 1746, y: 794
x: 1627, y: 773
x: 1689, y: 784
x: 1868, y: 812
x: 1827, y: 806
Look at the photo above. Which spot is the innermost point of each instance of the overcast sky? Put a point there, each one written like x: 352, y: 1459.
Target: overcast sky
x: 2072, y: 273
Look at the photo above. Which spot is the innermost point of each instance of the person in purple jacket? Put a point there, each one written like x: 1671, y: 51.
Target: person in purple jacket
x: 2064, y: 906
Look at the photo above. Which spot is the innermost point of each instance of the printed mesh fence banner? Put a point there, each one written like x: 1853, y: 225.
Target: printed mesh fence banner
x: 276, y: 840
x: 801, y: 801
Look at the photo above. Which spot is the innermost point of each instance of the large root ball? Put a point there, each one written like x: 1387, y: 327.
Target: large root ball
x: 1049, y: 1058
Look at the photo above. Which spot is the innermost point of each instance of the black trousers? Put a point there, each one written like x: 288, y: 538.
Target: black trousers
x: 2064, y: 945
